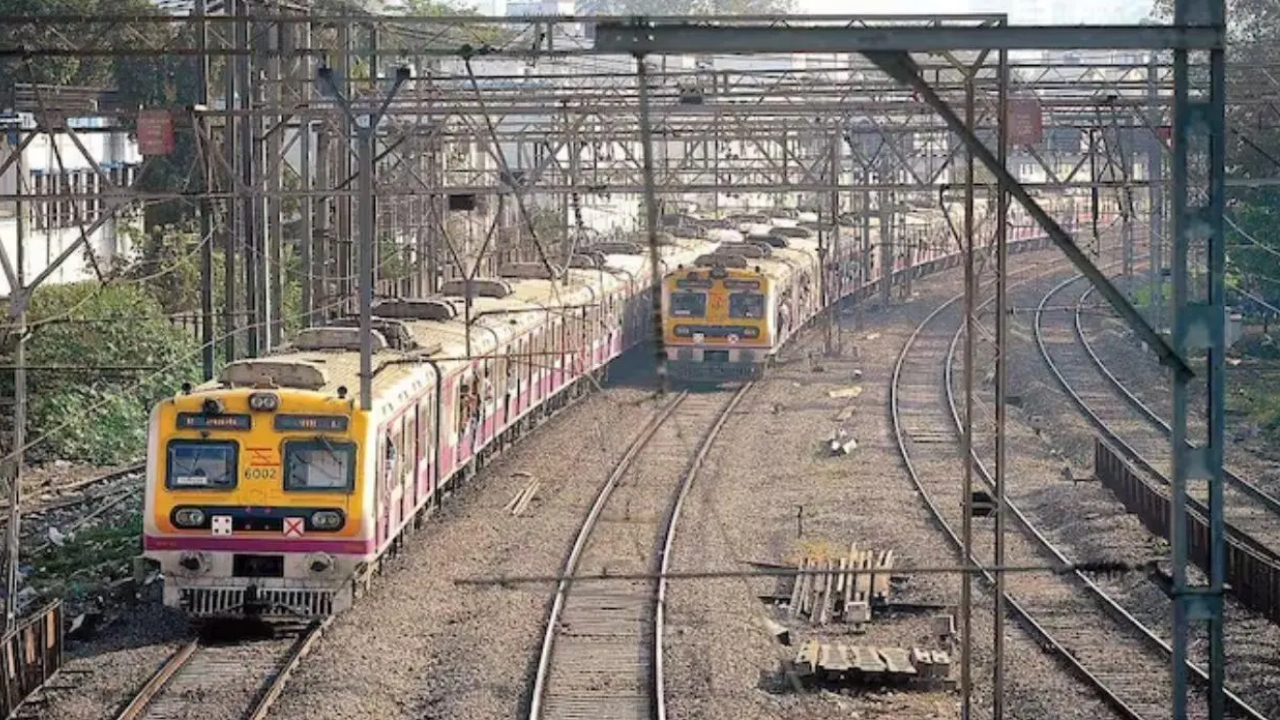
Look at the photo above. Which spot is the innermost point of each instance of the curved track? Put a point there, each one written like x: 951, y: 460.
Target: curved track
x: 601, y: 654
x: 254, y: 669
x: 1252, y: 515
x: 1110, y: 649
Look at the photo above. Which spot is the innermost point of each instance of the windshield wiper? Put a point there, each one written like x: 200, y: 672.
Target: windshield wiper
x: 328, y: 448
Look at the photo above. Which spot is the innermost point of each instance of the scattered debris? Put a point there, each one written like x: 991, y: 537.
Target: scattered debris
x: 857, y: 374
x: 845, y: 393
x: 836, y: 592
x: 873, y: 336
x: 840, y: 664
x: 839, y: 442
x: 779, y: 631
x: 518, y: 504
x: 845, y: 414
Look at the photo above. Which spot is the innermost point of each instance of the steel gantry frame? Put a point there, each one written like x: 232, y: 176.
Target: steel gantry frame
x: 525, y: 120
x: 1197, y: 38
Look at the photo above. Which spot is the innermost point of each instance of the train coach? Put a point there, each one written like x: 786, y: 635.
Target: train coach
x: 727, y: 313
x: 269, y: 491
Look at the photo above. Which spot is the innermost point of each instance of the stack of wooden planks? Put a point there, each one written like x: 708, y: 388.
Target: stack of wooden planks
x: 854, y: 664
x: 830, y: 591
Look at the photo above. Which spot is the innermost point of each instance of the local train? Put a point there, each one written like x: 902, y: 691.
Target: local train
x: 270, y: 493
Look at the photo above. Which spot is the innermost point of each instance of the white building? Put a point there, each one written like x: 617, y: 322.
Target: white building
x: 54, y: 225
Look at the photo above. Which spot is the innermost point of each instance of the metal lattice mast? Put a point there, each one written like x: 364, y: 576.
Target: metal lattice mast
x: 1199, y: 326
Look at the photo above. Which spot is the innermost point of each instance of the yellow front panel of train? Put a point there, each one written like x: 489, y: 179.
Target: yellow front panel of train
x: 716, y: 307
x: 302, y: 458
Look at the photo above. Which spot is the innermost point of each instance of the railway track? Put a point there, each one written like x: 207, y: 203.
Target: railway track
x: 601, y: 654
x: 1253, y: 516
x: 200, y: 671
x: 1111, y: 650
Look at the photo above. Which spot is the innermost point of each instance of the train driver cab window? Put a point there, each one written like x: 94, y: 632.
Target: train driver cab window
x: 319, y: 465
x: 201, y: 465
x: 746, y: 305
x: 688, y: 304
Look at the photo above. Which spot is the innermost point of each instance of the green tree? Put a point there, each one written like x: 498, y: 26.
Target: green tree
x: 102, y: 357
x: 1253, y: 142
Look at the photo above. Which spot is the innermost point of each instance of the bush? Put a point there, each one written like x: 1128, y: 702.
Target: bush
x: 122, y: 355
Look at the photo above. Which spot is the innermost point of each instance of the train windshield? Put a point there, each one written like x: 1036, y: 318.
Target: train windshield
x: 746, y: 305
x: 319, y: 464
x: 201, y: 465
x: 688, y: 304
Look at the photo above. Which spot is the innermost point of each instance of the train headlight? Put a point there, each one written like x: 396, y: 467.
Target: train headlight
x: 320, y: 562
x: 188, y: 518
x: 263, y: 402
x: 326, y: 520
x: 193, y: 562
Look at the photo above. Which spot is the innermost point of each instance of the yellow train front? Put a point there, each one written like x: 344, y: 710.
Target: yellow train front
x: 254, y: 506
x: 727, y: 314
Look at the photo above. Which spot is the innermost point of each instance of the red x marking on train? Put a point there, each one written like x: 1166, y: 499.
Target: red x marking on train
x: 293, y: 527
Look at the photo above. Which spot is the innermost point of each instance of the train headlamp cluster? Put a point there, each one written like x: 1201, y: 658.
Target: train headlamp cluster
x: 188, y: 518
x: 326, y: 520
x: 264, y: 402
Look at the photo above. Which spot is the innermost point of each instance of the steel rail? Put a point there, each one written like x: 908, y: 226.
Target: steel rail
x: 1107, y: 693
x: 580, y: 543
x: 668, y: 543
x: 1235, y: 535
x: 541, y: 693
x: 900, y: 436
x: 138, y: 704
x: 1234, y: 701
x: 1245, y: 486
x: 188, y: 658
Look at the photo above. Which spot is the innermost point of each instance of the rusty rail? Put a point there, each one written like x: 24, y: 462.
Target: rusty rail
x: 1254, y: 578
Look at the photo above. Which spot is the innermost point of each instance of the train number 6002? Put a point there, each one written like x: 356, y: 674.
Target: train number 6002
x: 260, y: 473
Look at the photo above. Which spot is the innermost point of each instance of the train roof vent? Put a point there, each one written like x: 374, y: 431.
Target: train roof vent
x: 482, y: 287
x: 618, y: 248
x: 416, y: 309
x: 281, y: 373
x: 394, y: 332
x: 587, y: 260
x: 526, y: 271
x: 335, y: 338
x: 728, y: 261
x: 746, y: 250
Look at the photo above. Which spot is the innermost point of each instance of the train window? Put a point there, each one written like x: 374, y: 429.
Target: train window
x: 688, y: 304
x: 746, y: 305
x: 201, y: 465
x: 319, y: 465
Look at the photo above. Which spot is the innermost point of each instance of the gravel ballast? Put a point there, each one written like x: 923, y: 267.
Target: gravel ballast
x: 769, y: 462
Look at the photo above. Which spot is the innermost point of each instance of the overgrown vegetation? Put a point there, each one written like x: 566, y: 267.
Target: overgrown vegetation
x: 100, y: 357
x: 86, y: 561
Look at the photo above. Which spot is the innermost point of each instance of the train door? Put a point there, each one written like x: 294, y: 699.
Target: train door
x: 486, y: 423
x: 537, y: 361
x: 389, y: 460
x: 429, y: 447
x: 510, y: 383
x: 466, y: 415
x: 409, y: 474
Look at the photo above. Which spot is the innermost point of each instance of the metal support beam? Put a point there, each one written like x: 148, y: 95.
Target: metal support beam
x: 902, y: 68
x: 1155, y: 199
x: 366, y: 131
x: 1199, y: 327
x: 642, y: 37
